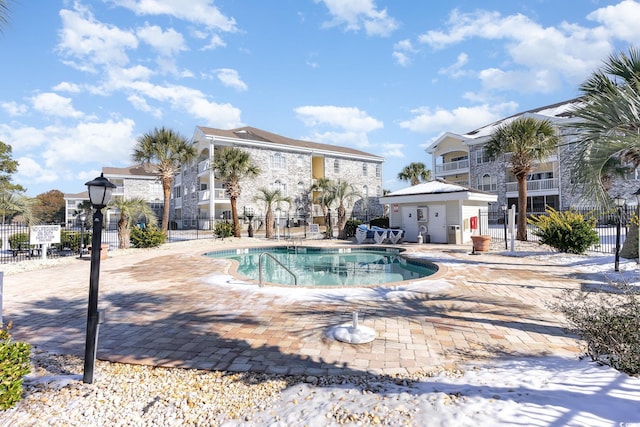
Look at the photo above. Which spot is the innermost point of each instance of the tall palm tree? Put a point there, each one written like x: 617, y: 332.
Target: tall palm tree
x: 269, y: 197
x: 12, y: 202
x: 343, y: 192
x: 233, y: 165
x: 164, y: 151
x: 415, y: 173
x: 323, y: 194
x: 131, y: 210
x: 4, y: 13
x: 526, y: 141
x: 607, y: 126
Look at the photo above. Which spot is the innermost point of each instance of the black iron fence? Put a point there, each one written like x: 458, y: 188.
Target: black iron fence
x: 606, y: 226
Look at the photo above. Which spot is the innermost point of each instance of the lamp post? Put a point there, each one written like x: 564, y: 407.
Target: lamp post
x: 277, y: 223
x: 83, y: 218
x: 100, y: 190
x: 637, y: 194
x: 619, y: 201
x: 504, y: 221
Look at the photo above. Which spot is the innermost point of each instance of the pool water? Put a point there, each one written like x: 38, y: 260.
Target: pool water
x: 327, y: 267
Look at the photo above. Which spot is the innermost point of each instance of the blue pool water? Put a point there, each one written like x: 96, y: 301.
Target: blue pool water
x: 327, y: 267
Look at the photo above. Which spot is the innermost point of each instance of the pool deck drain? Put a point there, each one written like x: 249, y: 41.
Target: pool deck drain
x: 173, y: 307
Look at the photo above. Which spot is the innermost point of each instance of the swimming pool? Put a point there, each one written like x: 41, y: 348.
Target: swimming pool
x: 326, y: 266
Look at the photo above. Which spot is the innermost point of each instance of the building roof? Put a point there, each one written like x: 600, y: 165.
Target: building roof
x: 437, y: 186
x: 265, y: 138
x: 437, y: 191
x: 133, y: 170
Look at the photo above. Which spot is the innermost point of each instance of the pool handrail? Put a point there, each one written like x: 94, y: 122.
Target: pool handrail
x: 295, y: 278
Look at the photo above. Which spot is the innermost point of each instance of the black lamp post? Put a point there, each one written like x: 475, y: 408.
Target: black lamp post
x: 619, y: 201
x: 100, y: 190
x: 83, y: 218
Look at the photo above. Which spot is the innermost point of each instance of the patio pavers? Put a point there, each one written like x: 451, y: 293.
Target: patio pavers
x: 174, y: 307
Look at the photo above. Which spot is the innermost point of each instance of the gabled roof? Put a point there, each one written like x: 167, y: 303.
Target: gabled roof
x: 263, y: 137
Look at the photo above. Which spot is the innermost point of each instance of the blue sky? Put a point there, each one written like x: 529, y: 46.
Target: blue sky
x: 82, y: 80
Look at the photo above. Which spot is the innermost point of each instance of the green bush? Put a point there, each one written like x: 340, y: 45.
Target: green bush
x: 147, y: 237
x: 609, y: 322
x: 19, y: 238
x: 351, y: 227
x: 71, y: 239
x: 14, y: 365
x: 223, y: 229
x: 566, y: 231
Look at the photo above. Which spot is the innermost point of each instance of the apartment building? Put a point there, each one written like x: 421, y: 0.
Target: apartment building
x: 132, y: 181
x: 461, y: 159
x: 291, y: 165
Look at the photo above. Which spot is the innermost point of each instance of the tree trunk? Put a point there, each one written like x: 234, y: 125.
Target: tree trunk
x: 234, y: 216
x: 268, y: 224
x: 521, y: 233
x: 124, y: 233
x: 342, y: 222
x: 166, y: 189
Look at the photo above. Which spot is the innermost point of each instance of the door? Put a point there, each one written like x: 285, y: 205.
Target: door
x: 410, y: 223
x: 437, y: 223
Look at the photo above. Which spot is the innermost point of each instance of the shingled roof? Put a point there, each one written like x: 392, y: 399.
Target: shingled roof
x: 261, y: 136
x: 137, y: 170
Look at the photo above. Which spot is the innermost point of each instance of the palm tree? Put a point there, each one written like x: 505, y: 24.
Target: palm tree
x: 415, y: 173
x: 325, y: 197
x: 343, y: 192
x: 269, y: 197
x: 164, y: 151
x: 526, y: 141
x: 12, y: 202
x: 131, y: 210
x: 234, y: 164
x: 608, y: 126
x: 4, y: 13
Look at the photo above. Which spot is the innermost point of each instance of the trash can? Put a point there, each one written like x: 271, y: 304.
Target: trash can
x: 454, y: 235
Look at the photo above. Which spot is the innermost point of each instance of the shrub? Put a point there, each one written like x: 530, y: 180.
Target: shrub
x: 351, y: 226
x: 19, y: 238
x: 608, y: 322
x: 14, y: 365
x: 223, y: 229
x: 71, y: 239
x: 566, y: 231
x: 147, y: 237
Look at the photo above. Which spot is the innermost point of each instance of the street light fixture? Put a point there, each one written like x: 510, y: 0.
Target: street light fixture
x: 83, y: 218
x: 619, y: 201
x: 100, y: 190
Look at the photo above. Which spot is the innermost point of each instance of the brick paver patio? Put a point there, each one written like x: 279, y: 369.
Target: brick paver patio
x: 174, y: 307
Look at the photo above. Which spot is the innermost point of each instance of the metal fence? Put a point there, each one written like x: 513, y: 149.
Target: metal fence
x: 606, y: 226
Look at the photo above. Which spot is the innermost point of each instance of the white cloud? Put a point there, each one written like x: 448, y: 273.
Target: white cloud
x: 30, y: 171
x: 215, y: 42
x: 358, y: 14
x: 229, y: 77
x: 392, y: 150
x: 168, y: 42
x: 14, y: 109
x: 67, y: 87
x: 403, y: 51
x: 347, y: 118
x: 460, y: 119
x: 86, y: 41
x: 196, y: 11
x: 52, y: 104
x: 621, y: 20
x: 455, y: 70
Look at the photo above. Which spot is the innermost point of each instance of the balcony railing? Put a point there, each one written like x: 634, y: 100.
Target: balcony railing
x: 218, y: 193
x: 177, y: 179
x: 204, y: 166
x: 535, y: 185
x: 452, y: 166
x: 118, y: 191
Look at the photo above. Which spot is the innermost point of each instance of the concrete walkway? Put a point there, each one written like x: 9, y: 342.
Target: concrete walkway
x: 174, y: 307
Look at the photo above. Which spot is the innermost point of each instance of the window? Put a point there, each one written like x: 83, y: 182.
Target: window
x: 364, y: 169
x: 279, y: 185
x: 365, y: 191
x: 177, y: 192
x: 378, y: 191
x: 378, y: 171
x: 301, y: 161
x: 482, y: 157
x: 301, y: 188
x: 487, y: 183
x: 278, y: 161
x: 336, y: 166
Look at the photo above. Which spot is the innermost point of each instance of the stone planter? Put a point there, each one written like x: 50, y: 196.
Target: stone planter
x: 481, y: 243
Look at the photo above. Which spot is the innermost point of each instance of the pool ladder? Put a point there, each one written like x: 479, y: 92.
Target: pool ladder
x: 292, y: 245
x: 295, y: 278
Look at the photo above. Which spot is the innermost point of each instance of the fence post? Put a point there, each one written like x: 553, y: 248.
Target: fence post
x: 1, y: 295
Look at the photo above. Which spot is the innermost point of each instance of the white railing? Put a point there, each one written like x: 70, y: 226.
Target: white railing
x: 204, y: 166
x: 177, y: 179
x: 203, y: 195
x: 535, y: 185
x: 118, y: 191
x: 219, y: 193
x: 452, y: 166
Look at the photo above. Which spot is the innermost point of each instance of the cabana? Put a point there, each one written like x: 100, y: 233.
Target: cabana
x: 439, y: 211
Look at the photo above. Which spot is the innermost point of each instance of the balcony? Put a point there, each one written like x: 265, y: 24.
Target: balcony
x: 118, y: 191
x: 550, y: 184
x: 204, y: 166
x: 218, y: 193
x: 178, y: 202
x: 457, y: 166
x: 177, y: 179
